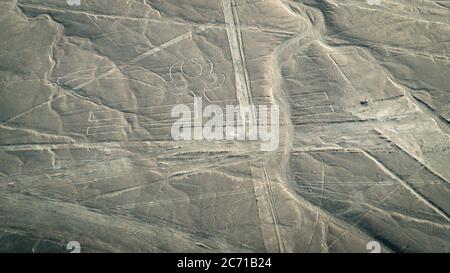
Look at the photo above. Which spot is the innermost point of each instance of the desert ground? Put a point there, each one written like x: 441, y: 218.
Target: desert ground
x: 87, y: 155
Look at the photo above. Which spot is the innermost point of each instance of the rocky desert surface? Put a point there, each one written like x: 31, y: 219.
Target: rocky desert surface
x: 86, y: 152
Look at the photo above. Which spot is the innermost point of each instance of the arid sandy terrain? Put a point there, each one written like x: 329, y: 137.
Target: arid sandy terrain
x: 86, y: 152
